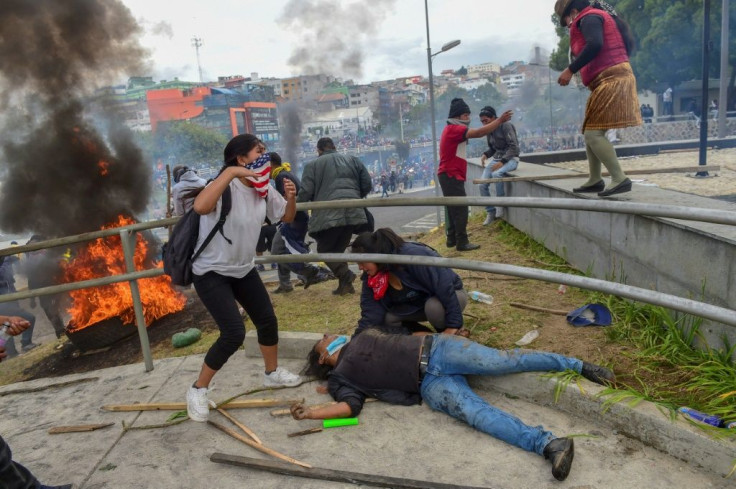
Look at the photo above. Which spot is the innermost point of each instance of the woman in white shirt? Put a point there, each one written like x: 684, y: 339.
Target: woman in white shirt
x: 225, y: 274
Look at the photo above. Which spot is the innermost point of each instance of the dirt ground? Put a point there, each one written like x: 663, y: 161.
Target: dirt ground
x: 498, y: 325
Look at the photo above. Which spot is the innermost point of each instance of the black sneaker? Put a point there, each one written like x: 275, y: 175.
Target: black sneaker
x: 467, y: 247
x: 560, y: 452
x: 596, y: 373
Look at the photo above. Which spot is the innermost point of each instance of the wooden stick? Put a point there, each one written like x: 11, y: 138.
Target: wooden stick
x: 258, y: 447
x: 49, y: 386
x: 540, y: 309
x: 240, y: 425
x: 316, y: 429
x: 684, y: 169
x: 56, y: 430
x: 179, y: 406
x: 330, y: 474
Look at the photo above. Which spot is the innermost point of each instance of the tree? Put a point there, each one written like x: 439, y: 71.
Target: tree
x: 462, y: 71
x: 184, y: 143
x: 668, y: 35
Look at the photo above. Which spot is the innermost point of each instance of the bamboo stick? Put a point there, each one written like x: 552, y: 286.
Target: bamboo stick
x: 57, y: 430
x: 179, y: 406
x: 316, y: 429
x: 258, y: 447
x: 319, y: 473
x: 240, y: 425
x: 650, y: 171
x: 540, y: 309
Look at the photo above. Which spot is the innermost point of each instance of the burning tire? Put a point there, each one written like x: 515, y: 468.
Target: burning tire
x: 101, y: 334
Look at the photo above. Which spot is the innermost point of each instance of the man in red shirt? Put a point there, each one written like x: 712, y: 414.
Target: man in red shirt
x: 453, y: 168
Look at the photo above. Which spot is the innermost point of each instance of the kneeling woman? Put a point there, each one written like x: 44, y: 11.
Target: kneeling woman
x: 224, y: 273
x: 396, y: 294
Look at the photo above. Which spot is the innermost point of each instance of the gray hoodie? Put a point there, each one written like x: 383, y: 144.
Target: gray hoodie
x: 185, y: 191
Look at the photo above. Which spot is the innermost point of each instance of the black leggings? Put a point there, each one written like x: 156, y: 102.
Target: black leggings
x: 218, y: 293
x: 14, y: 475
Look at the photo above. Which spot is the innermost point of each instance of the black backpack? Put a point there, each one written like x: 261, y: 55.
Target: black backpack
x: 179, y: 254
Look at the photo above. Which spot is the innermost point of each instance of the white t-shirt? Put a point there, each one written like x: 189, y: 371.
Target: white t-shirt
x: 242, y: 227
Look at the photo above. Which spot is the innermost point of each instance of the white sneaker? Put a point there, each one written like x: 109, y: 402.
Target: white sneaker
x: 198, y: 407
x: 499, y: 212
x: 281, y: 378
x: 489, y: 219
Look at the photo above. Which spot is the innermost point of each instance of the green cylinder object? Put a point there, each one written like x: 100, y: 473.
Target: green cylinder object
x: 185, y: 338
x: 335, y: 422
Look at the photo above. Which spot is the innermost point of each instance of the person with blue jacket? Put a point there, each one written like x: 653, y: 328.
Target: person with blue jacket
x: 399, y: 296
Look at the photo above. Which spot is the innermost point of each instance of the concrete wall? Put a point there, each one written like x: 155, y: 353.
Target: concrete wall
x: 683, y: 258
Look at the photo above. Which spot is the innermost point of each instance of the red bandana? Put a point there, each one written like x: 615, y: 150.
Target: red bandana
x: 379, y: 284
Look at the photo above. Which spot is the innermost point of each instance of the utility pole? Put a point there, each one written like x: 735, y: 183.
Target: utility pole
x: 197, y: 43
x: 723, y: 91
x: 401, y: 121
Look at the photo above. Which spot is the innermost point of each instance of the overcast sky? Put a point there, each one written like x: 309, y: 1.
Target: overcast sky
x: 365, y: 40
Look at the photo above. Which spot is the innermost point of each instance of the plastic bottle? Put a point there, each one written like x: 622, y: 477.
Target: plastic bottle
x: 481, y: 297
x: 4, y: 335
x: 700, y: 416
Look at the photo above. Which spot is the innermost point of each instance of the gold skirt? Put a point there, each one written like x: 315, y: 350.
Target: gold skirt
x: 613, y: 102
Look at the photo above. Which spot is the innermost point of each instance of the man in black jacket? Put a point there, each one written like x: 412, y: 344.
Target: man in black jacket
x: 402, y: 369
x: 333, y: 176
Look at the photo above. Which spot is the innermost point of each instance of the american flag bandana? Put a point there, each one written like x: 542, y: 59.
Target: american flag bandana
x: 262, y: 166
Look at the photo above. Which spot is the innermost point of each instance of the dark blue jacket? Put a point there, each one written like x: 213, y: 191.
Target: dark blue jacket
x: 437, y: 282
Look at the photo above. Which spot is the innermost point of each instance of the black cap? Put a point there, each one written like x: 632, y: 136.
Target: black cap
x: 458, y: 107
x: 488, y: 111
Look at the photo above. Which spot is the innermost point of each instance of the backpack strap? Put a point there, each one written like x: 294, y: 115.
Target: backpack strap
x: 224, y: 211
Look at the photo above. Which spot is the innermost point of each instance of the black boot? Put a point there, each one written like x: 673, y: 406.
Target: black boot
x: 560, y: 452
x: 345, y: 285
x: 596, y: 373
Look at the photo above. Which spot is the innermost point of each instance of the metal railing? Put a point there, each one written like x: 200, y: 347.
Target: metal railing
x: 127, y: 235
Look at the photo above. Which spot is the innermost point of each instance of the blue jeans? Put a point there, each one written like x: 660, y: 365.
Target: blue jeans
x: 485, y: 188
x: 445, y: 388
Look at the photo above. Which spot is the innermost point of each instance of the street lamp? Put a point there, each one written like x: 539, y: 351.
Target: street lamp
x: 444, y: 48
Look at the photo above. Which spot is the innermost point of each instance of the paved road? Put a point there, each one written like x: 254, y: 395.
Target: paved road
x: 407, y: 219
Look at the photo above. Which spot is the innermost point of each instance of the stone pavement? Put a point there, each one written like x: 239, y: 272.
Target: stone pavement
x: 409, y: 442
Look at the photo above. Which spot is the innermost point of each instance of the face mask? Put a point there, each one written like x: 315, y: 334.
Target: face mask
x: 336, y: 344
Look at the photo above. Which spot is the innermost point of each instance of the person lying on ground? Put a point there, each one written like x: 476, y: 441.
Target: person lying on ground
x: 405, y: 369
x: 398, y: 295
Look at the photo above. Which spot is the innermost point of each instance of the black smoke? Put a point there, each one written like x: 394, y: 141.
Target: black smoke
x: 68, y: 164
x: 291, y: 133
x: 332, y: 35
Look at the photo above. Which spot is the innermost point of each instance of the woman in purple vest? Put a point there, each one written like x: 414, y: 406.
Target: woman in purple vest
x: 600, y: 43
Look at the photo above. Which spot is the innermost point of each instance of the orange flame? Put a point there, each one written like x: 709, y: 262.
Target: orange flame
x: 103, y: 165
x: 104, y: 257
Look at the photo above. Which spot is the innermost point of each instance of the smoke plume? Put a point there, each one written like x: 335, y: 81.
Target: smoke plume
x: 66, y: 167
x: 332, y: 34
x: 291, y: 133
